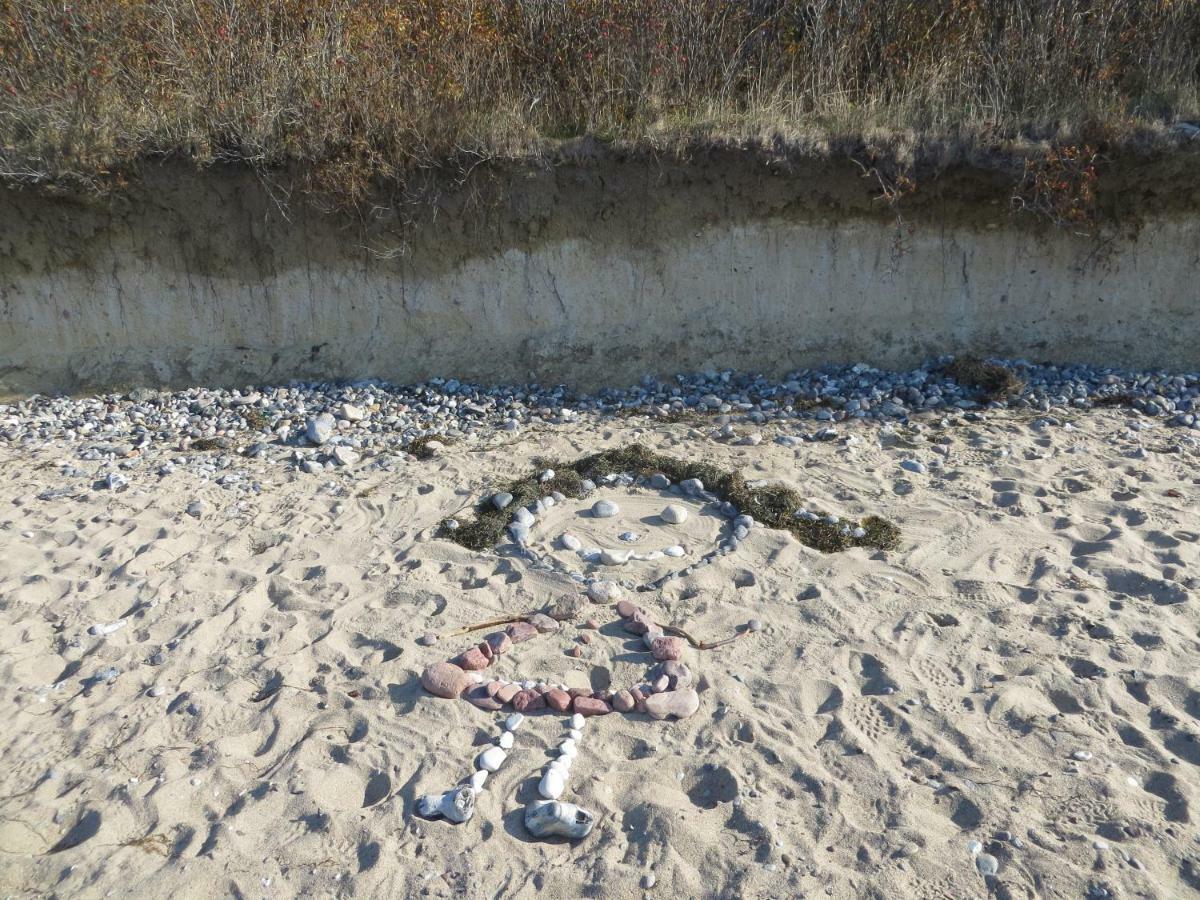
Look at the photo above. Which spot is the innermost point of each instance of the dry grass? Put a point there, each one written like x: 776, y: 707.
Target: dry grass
x: 349, y: 92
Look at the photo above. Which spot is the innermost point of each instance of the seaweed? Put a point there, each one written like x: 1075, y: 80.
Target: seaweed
x: 991, y: 381
x: 774, y: 506
x: 419, y: 446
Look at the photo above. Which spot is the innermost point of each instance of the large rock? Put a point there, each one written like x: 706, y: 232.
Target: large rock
x: 443, y: 679
x: 679, y: 704
x: 320, y: 429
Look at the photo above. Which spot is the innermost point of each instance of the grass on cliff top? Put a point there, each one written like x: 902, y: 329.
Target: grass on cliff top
x: 348, y: 94
x: 772, y: 506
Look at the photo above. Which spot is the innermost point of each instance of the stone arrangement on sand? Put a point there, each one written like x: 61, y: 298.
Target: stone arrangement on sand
x: 666, y: 693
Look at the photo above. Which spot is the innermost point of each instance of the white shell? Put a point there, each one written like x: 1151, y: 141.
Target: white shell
x: 492, y: 759
x: 552, y: 785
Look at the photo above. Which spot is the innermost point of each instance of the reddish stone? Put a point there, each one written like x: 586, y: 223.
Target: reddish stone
x: 486, y: 649
x: 520, y: 632
x: 472, y: 661
x: 527, y: 701
x: 557, y: 700
x: 576, y: 652
x: 506, y: 693
x: 543, y: 623
x: 585, y: 638
x: 626, y: 608
x: 679, y: 704
x: 499, y: 642
x: 493, y: 688
x: 665, y: 648
x: 478, y: 696
x: 590, y: 706
x: 444, y: 679
x: 640, y: 622
x: 592, y: 624
x: 579, y: 692
x: 623, y: 701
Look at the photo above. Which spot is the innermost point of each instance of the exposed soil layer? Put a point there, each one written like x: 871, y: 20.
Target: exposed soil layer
x: 592, y: 270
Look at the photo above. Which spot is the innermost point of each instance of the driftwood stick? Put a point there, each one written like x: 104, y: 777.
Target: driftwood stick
x: 701, y: 645
x: 479, y: 626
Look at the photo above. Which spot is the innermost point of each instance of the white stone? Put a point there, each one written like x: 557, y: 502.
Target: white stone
x: 513, y: 722
x: 605, y: 509
x: 479, y: 779
x: 492, y: 759
x: 506, y: 740
x: 501, y: 500
x: 344, y: 456
x: 1081, y: 755
x: 603, y: 591
x: 102, y: 629
x: 524, y: 517
x: 553, y: 818
x: 320, y: 429
x: 674, y: 514
x: 577, y: 722
x: 568, y: 747
x: 674, y: 551
x: 351, y: 413
x: 574, y: 734
x: 457, y: 804
x: 614, y: 557
x: 552, y: 785
x: 570, y: 542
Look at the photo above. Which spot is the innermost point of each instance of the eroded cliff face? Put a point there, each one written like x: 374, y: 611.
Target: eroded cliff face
x: 583, y: 274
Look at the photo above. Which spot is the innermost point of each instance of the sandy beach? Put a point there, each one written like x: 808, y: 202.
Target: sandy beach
x: 1019, y: 672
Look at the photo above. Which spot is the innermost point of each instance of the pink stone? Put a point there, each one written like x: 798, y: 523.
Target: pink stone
x: 444, y: 679
x: 579, y: 692
x: 661, y: 683
x: 473, y: 660
x: 520, y: 632
x: 590, y: 706
x: 493, y: 688
x: 499, y: 642
x: 478, y: 696
x: 623, y: 701
x: 679, y: 704
x: 639, y: 696
x: 585, y: 638
x: 543, y: 623
x: 626, y: 608
x: 506, y: 693
x: 639, y: 623
x: 665, y: 648
x: 558, y: 700
x: 592, y: 624
x: 576, y: 652
x: 486, y: 649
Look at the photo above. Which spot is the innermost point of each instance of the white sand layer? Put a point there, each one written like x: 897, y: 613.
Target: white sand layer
x: 1021, y: 672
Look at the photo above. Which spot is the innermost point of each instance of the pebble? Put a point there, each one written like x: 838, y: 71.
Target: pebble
x: 590, y: 706
x: 680, y: 704
x: 692, y: 486
x: 755, y: 625
x: 577, y: 721
x: 100, y: 629
x: 472, y: 660
x: 659, y: 481
x: 491, y: 759
x: 912, y: 465
x: 603, y: 591
x: 443, y: 679
x: 1081, y: 755
x: 560, y: 701
x: 196, y: 509
x: 513, y: 722
x: 570, y: 542
x: 605, y: 509
x: 320, y: 429
x: 623, y: 701
x: 987, y: 864
x: 625, y: 608
x: 674, y: 551
x: 648, y: 880
x: 665, y: 648
x: 479, y: 778
x: 502, y: 499
x: 506, y: 740
x: 674, y: 514
x: 552, y: 785
x: 519, y: 632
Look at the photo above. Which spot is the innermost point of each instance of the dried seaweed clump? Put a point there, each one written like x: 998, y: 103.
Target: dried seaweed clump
x: 419, y: 446
x: 774, y: 506
x: 992, y: 381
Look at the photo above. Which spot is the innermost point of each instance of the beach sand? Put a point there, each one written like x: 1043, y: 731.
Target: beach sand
x: 1021, y: 672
